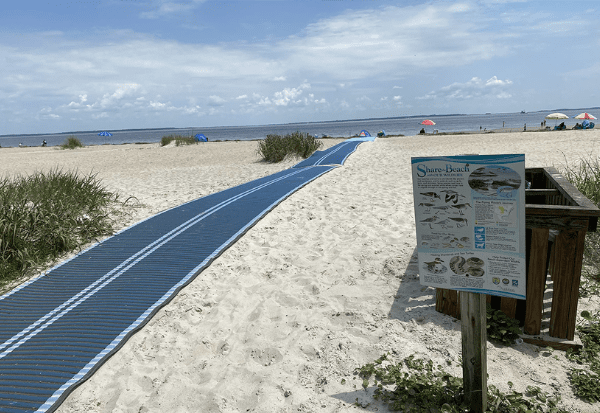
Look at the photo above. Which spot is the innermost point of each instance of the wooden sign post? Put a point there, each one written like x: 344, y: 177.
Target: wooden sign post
x: 474, y: 351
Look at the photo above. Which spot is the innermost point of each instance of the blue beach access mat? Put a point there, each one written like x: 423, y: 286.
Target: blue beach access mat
x: 57, y: 329
x: 336, y: 155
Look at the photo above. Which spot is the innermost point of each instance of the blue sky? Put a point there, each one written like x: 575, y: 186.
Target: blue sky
x: 117, y: 64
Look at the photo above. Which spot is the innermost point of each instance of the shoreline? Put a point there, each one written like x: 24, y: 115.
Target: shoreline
x: 452, y: 132
x: 155, y: 140
x: 323, y: 284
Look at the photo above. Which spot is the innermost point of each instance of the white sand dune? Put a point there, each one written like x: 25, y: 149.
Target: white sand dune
x: 325, y: 283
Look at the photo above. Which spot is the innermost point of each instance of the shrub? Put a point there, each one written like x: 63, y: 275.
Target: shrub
x: 165, y: 140
x: 179, y: 140
x: 586, y: 177
x: 71, y: 143
x: 275, y: 148
x: 45, y: 215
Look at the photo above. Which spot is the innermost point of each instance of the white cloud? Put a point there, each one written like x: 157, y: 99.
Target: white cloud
x: 416, y: 37
x: 215, y: 100
x: 118, y: 74
x: 160, y: 8
x: 286, y: 95
x: 473, y: 89
x: 158, y: 105
x: 123, y: 91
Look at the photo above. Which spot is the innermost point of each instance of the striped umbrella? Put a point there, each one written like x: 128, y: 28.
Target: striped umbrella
x: 105, y: 134
x: 584, y: 115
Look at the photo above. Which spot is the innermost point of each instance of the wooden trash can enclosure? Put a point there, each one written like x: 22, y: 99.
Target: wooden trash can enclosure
x: 557, y: 217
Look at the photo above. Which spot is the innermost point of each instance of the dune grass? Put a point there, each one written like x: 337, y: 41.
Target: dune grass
x: 584, y: 378
x: 180, y: 140
x: 45, y: 215
x: 275, y: 148
x: 71, y: 143
x: 586, y: 177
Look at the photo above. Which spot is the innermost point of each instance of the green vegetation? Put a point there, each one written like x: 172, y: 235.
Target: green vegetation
x: 586, y: 380
x: 501, y: 328
x: 586, y: 178
x: 71, y: 143
x: 419, y: 386
x: 275, y: 148
x: 179, y: 140
x: 44, y: 215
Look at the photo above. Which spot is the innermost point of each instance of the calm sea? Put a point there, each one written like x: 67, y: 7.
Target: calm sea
x: 392, y: 126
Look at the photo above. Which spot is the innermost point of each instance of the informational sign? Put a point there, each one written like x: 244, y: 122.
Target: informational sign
x: 470, y: 218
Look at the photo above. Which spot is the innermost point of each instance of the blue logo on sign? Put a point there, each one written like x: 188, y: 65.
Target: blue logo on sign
x: 515, y: 283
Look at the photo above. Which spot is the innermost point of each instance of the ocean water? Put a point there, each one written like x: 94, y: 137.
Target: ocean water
x: 407, y: 126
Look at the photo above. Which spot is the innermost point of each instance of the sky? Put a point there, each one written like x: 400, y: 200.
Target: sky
x: 128, y: 64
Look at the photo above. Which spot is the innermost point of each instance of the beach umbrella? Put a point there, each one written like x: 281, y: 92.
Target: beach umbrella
x: 584, y: 115
x: 105, y: 134
x: 557, y: 116
x: 201, y: 138
x: 427, y: 122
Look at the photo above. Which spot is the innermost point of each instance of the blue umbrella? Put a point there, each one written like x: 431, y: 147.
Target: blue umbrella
x: 201, y: 138
x: 105, y: 134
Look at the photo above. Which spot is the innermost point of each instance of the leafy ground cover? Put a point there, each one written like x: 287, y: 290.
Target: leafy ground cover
x: 416, y: 385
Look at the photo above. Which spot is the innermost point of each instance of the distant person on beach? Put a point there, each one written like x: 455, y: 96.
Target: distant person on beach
x: 20, y: 145
x: 44, y: 142
x: 422, y: 130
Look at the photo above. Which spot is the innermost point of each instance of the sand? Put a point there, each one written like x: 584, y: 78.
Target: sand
x: 325, y: 283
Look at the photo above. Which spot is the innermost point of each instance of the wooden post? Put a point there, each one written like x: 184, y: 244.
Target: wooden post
x: 536, y: 280
x: 474, y: 350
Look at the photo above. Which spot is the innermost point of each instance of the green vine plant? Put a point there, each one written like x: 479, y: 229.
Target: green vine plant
x: 501, y: 328
x: 417, y: 386
x: 586, y: 381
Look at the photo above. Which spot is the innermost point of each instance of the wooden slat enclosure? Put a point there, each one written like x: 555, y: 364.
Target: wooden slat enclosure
x: 557, y: 217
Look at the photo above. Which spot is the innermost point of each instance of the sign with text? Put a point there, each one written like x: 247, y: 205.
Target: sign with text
x: 470, y: 217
